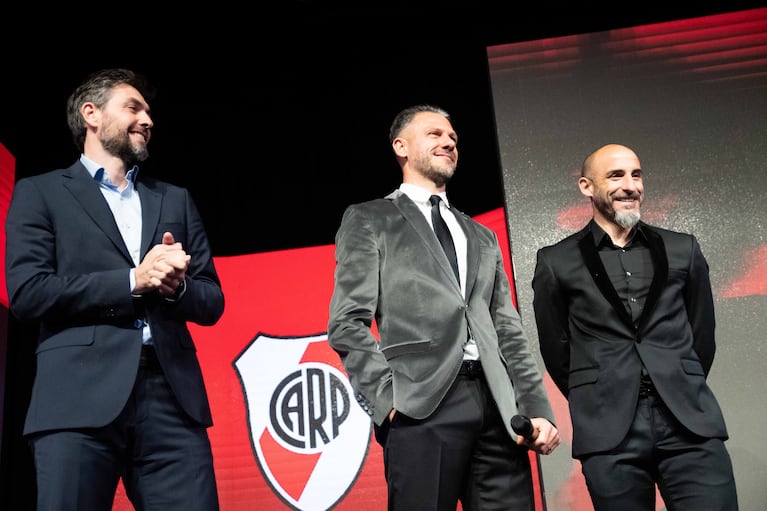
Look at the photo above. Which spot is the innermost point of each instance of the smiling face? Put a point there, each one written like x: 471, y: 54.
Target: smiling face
x: 612, y: 178
x: 428, y: 146
x: 125, y: 125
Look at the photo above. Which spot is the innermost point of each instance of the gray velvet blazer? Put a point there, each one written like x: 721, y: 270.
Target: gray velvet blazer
x: 391, y: 269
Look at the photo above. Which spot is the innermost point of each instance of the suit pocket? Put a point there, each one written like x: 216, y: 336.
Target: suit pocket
x: 691, y: 366
x: 392, y: 351
x: 75, y: 336
x: 584, y: 376
x: 413, y: 360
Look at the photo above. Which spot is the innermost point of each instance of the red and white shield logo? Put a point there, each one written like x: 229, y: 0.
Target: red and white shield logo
x: 309, y: 435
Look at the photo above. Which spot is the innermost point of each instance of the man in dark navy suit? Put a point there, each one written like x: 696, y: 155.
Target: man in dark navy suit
x: 112, y: 266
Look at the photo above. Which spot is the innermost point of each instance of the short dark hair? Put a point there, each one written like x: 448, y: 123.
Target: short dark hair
x: 402, y: 119
x: 97, y: 88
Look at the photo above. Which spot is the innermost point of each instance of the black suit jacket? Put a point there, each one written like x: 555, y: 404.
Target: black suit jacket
x: 594, y: 352
x: 67, y: 267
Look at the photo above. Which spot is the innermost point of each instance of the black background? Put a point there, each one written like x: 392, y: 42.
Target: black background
x: 276, y: 121
x: 275, y: 118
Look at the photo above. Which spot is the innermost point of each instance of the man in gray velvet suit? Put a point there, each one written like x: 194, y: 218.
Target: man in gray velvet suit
x: 452, y: 364
x: 625, y: 317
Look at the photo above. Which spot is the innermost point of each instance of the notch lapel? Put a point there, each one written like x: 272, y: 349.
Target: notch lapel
x: 150, y: 215
x: 472, y: 249
x: 85, y: 190
x: 415, y: 218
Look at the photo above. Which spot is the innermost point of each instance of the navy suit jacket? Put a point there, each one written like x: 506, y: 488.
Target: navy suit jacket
x: 594, y: 352
x: 67, y: 268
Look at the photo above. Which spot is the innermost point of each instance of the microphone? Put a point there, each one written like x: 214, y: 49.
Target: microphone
x: 522, y: 426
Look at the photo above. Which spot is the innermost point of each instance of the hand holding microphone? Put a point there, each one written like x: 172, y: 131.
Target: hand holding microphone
x: 538, y: 434
x: 523, y: 426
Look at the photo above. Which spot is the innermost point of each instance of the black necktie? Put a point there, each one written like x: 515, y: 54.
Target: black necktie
x: 443, y: 233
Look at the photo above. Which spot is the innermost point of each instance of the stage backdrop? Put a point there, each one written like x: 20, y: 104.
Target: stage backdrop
x: 690, y: 97
x: 288, y: 432
x: 7, y: 175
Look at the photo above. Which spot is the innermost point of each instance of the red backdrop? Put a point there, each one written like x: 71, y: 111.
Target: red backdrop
x: 280, y: 299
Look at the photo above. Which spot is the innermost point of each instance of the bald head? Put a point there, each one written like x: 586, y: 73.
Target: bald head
x: 611, y: 177
x: 605, y: 157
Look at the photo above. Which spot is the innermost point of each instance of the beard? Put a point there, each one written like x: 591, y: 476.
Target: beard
x: 439, y: 175
x: 118, y: 144
x: 627, y: 220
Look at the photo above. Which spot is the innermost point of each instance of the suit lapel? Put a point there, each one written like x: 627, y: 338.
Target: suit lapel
x: 660, y: 270
x: 150, y: 215
x: 472, y: 249
x: 415, y: 218
x: 599, y: 274
x: 86, y: 191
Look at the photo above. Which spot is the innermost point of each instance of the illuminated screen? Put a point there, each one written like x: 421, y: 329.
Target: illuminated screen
x: 690, y: 97
x: 288, y: 433
x: 7, y: 175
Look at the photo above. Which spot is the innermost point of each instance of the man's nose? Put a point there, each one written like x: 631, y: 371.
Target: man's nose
x: 146, y: 120
x: 629, y: 183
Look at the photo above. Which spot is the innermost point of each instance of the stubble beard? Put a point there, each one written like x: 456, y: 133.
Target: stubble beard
x: 439, y: 175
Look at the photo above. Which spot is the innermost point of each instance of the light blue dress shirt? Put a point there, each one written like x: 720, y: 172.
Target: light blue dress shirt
x: 126, y: 209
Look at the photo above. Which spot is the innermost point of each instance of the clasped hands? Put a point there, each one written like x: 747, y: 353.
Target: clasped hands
x: 163, y: 268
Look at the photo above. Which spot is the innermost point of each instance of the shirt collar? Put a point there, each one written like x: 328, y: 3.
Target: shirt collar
x: 97, y: 172
x: 602, y: 238
x: 420, y: 194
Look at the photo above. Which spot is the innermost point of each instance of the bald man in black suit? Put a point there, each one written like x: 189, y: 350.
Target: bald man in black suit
x: 625, y: 319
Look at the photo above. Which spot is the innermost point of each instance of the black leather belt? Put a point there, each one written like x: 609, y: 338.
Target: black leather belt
x: 646, y: 388
x: 148, y: 360
x: 471, y: 368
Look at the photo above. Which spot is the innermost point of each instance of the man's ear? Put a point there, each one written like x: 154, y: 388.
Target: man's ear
x: 586, y: 186
x: 400, y: 147
x: 90, y: 113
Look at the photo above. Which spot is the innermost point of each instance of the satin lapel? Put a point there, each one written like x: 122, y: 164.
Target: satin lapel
x: 86, y: 191
x: 150, y: 215
x: 660, y: 271
x: 599, y: 274
x: 416, y: 219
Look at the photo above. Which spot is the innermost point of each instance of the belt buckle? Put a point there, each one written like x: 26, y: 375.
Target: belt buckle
x: 472, y: 368
x: 148, y: 359
x: 646, y: 389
